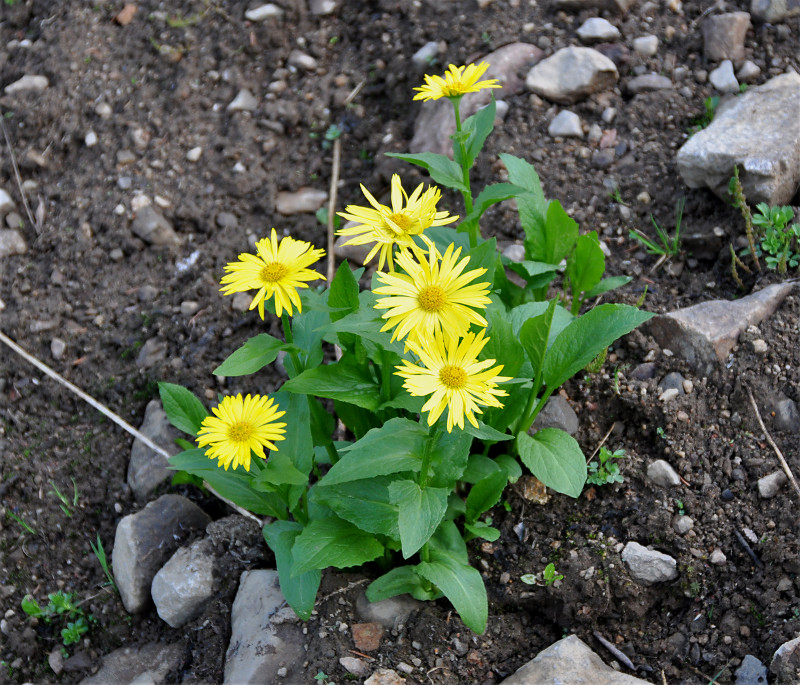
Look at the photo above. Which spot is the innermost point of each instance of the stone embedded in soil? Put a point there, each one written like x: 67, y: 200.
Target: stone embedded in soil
x: 243, y: 102
x: 773, y: 11
x: 723, y: 78
x: 661, y: 473
x: 557, y: 413
x: 302, y: 201
x: 153, y: 351
x: 390, y: 613
x: 385, y: 676
x: 154, y: 660
x: 265, y: 637
x: 787, y: 417
x: 770, y: 485
x: 717, y: 557
x: 647, y: 83
x: 648, y: 566
x: 571, y: 75
x: 723, y: 36
x: 705, y: 333
x: 354, y: 665
x: 184, y: 584
x: 367, y: 636
x: 647, y: 46
x: 751, y: 671
x: 11, y: 243
x: 566, y: 124
x: 147, y: 470
x: 786, y: 661
x: 264, y: 12
x: 145, y: 540
x: 569, y: 660
x: 151, y: 226
x: 759, y: 131
x: 7, y: 204
x: 597, y: 30
x: 34, y: 82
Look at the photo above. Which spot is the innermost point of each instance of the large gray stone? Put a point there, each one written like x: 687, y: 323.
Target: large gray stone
x: 597, y: 30
x: 184, y: 584
x: 11, y: 243
x: 303, y: 201
x: 647, y: 566
x: 572, y: 74
x: 151, y: 226
x: 723, y: 36
x: 145, y: 540
x: 147, y: 470
x: 785, y: 664
x: 705, y: 333
x: 557, y: 413
x: 151, y: 662
x: 265, y: 636
x: 569, y: 661
x: 773, y: 11
x: 759, y: 132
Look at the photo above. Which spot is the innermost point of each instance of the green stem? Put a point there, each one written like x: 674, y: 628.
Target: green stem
x: 467, y: 194
x: 530, y: 414
x: 332, y: 453
x: 427, y: 453
x: 386, y: 377
x: 289, y: 337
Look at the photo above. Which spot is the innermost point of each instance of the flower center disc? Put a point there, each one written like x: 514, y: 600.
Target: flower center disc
x: 273, y: 272
x: 240, y: 432
x: 432, y: 298
x: 401, y: 220
x: 453, y: 377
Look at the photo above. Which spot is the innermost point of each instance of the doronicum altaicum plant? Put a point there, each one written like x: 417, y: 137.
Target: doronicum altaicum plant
x: 443, y: 365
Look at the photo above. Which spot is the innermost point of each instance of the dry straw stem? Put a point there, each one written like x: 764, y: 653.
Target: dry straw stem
x: 111, y: 415
x: 11, y: 154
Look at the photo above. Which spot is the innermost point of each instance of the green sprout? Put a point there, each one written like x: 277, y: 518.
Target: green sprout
x: 605, y: 471
x: 666, y: 246
x: 549, y: 574
x: 100, y: 553
x: 702, y: 121
x: 781, y: 242
x: 65, y: 501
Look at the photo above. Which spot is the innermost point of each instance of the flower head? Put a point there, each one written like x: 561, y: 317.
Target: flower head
x: 239, y: 426
x: 387, y: 227
x: 454, y: 378
x: 456, y: 82
x: 435, y: 293
x: 278, y: 269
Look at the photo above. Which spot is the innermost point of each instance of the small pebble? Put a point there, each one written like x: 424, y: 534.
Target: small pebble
x: 194, y: 154
x: 759, y: 346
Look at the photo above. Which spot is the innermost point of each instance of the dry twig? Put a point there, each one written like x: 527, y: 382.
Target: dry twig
x: 13, y: 157
x: 601, y: 443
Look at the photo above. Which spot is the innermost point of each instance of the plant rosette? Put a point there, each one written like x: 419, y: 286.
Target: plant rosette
x: 442, y: 366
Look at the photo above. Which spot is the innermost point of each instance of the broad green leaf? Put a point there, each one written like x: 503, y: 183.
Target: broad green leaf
x: 322, y: 423
x: 394, y: 447
x: 447, y: 541
x: 300, y: 591
x: 421, y: 510
x: 484, y: 494
x: 279, y: 470
x: 343, y: 292
x: 449, y: 458
x: 555, y: 458
x: 366, y: 323
x: 585, y: 267
x: 484, y: 257
x: 399, y: 581
x: 343, y: 380
x: 513, y: 406
x: 191, y: 460
x: 307, y: 330
x: 497, y: 192
x: 534, y: 336
x: 477, y: 127
x: 510, y: 465
x: 442, y: 169
x: 503, y: 345
x: 532, y: 207
x: 486, y: 432
x: 355, y: 418
x: 479, y: 529
x: 364, y: 502
x: 560, y: 234
x: 536, y: 274
x: 333, y: 542
x: 182, y: 408
x: 583, y: 339
x: 254, y: 355
x: 237, y: 487
x: 463, y: 586
x: 519, y: 315
x: 478, y: 467
x: 606, y: 284
x: 443, y: 237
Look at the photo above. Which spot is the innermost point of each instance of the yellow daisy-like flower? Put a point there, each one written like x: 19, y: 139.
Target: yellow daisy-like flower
x: 387, y: 227
x: 454, y: 378
x: 435, y: 293
x: 239, y: 426
x: 278, y: 269
x: 456, y: 82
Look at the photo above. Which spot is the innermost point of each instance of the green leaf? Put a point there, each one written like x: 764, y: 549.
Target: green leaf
x: 478, y: 467
x: 191, y: 460
x: 534, y: 336
x: 503, y: 345
x: 398, y: 581
x: 560, y: 234
x: 343, y: 292
x: 255, y: 354
x: 355, y: 418
x: 443, y: 237
x: 182, y: 408
x: 300, y: 591
x: 484, y: 494
x: 237, y: 486
x: 510, y: 466
x: 497, y: 192
x: 421, y: 510
x: 484, y: 257
x: 463, y: 586
x: 343, y: 380
x: 365, y: 503
x: 31, y: 607
x: 533, y: 205
x: 447, y: 541
x: 584, y: 338
x: 298, y: 443
x: 585, y: 267
x: 333, y: 542
x: 307, y: 331
x: 555, y: 458
x: 280, y: 470
x: 485, y: 432
x: 479, y: 529
x: 394, y: 447
x: 477, y: 127
x: 449, y: 455
x: 607, y: 284
x: 366, y: 323
x: 519, y: 315
x: 442, y: 169
x: 536, y: 274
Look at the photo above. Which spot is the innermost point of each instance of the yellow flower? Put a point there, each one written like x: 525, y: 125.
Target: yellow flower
x: 456, y: 82
x: 454, y: 378
x: 239, y: 426
x: 278, y: 269
x: 385, y: 226
x: 431, y: 295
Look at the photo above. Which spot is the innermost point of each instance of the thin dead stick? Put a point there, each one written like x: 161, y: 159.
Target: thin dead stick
x: 602, y: 442
x: 781, y: 459
x: 11, y: 154
x: 111, y: 415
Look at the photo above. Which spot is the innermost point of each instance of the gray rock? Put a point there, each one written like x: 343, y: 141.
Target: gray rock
x: 355, y: 254
x: 748, y: 72
x: 646, y: 46
x: 147, y: 470
x: 435, y: 123
x: 723, y: 36
x: 616, y: 6
x: 264, y: 12
x: 303, y: 201
x: 32, y: 82
x: 770, y: 485
x: 354, y: 665
x: 717, y: 557
x: 515, y: 252
x: 264, y: 639
x: 569, y: 661
x: 151, y: 226
x: 661, y: 473
x: 705, y: 333
x: 644, y: 371
x: 322, y: 7
x: 422, y: 58
x: 787, y: 418
x: 786, y: 661
x: 773, y: 11
x: 597, y: 30
x: 145, y: 540
x: 153, y: 661
x: 184, y: 584
x: 648, y: 566
x: 153, y: 351
x: 723, y: 78
x: 6, y: 203
x: 302, y: 60
x: 57, y: 348
x: 566, y: 124
x: 751, y: 672
x: 760, y: 133
x: 682, y: 524
x: 243, y: 102
x: 647, y: 83
x: 11, y: 243
x: 390, y: 613
x: 572, y: 74
x: 557, y: 413
x: 673, y: 380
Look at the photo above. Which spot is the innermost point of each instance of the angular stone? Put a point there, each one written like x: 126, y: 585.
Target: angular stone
x: 569, y: 660
x: 723, y: 78
x: 322, y: 7
x: 33, y: 82
x: 184, y: 584
x: 6, y: 203
x: 435, y: 123
x: 748, y: 72
x: 243, y: 102
x: 647, y: 566
x: 647, y: 83
x: 145, y: 540
x: 264, y: 638
x: 705, y: 333
x: 597, y: 30
x: 661, y: 473
x: 769, y: 485
x: 151, y: 226
x: 148, y: 469
x: 388, y: 612
x: 303, y: 201
x: 723, y: 36
x: 646, y: 46
x: 264, y: 12
x: 572, y: 74
x: 787, y: 417
x: 557, y: 413
x: 566, y: 124
x: 153, y: 660
x: 786, y: 661
x: 773, y: 11
x: 367, y: 636
x: 751, y: 671
x: 11, y: 243
x: 759, y: 132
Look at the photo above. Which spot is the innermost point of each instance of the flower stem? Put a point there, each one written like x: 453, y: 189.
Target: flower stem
x: 467, y: 194
x: 289, y: 337
x: 427, y: 453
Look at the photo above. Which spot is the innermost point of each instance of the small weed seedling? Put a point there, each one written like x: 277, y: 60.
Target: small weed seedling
x: 548, y: 577
x: 702, y: 121
x: 666, y: 246
x: 65, y: 501
x: 781, y: 242
x: 100, y: 553
x: 605, y: 471
x: 62, y: 606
